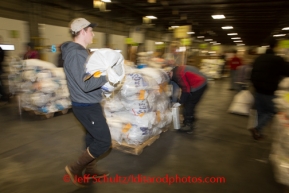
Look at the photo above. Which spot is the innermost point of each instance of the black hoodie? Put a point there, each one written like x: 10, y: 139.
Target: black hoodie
x: 75, y: 57
x: 268, y: 70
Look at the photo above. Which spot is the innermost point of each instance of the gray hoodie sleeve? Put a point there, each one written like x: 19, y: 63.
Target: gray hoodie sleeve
x: 75, y: 67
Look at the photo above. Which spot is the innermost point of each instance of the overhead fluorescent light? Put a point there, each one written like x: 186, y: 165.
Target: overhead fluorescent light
x: 232, y: 34
x: 107, y: 1
x: 279, y: 35
x: 227, y: 27
x: 236, y: 38
x: 207, y: 40
x: 7, y: 47
x: 238, y: 41
x: 175, y: 26
x: 212, y: 52
x: 191, y: 32
x: 218, y: 16
x: 151, y: 17
x: 216, y: 43
x: 200, y: 36
x: 285, y: 28
x: 213, y: 42
x: 159, y: 43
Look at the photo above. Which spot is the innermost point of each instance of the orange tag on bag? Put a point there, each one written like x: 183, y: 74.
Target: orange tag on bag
x: 141, y: 94
x: 158, y: 116
x: 141, y: 115
x: 126, y: 128
x: 97, y: 74
x: 163, y: 87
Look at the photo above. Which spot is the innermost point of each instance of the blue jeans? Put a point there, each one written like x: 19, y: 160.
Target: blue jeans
x: 265, y: 109
x: 176, y: 91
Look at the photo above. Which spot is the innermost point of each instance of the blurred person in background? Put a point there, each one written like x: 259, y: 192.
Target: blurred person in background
x: 30, y: 52
x: 3, y: 95
x: 193, y: 84
x: 223, y: 57
x: 60, y: 61
x: 86, y: 97
x: 244, y: 72
x: 268, y: 70
x: 234, y: 63
x: 173, y: 59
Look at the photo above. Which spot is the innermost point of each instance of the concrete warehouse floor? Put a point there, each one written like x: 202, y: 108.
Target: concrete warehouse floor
x: 34, y: 152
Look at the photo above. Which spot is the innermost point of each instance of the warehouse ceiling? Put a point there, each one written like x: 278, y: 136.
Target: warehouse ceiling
x: 253, y: 20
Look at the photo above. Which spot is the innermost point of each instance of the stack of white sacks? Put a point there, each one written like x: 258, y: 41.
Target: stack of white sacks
x: 137, y: 106
x: 43, y: 87
x: 140, y: 108
x: 212, y: 68
x: 280, y: 149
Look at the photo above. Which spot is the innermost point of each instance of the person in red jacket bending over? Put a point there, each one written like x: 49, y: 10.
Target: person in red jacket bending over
x: 234, y: 63
x: 193, y: 84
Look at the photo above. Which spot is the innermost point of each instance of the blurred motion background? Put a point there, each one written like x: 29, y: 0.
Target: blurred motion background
x: 158, y: 34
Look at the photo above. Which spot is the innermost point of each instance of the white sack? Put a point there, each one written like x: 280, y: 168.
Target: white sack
x: 242, y: 103
x: 62, y: 104
x: 29, y: 75
x: 114, y: 105
x: 136, y: 135
x: 133, y: 84
x: 40, y: 99
x: 137, y: 107
x: 158, y: 75
x: 43, y: 75
x: 38, y: 63
x: 107, y: 61
x: 48, y: 86
x: 59, y: 73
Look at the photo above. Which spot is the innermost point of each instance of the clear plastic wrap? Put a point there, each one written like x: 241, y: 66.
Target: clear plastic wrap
x: 140, y: 105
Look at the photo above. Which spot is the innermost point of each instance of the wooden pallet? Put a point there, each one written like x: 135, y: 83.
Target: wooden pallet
x: 45, y: 115
x: 136, y: 149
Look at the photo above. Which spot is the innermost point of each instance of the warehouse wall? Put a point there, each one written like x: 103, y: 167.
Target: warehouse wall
x: 29, y: 18
x: 14, y: 32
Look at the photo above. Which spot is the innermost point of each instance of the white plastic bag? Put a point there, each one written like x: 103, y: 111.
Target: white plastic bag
x: 137, y: 135
x: 106, y: 61
x: 242, y: 103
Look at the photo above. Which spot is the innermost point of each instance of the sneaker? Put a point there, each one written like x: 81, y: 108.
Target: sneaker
x: 187, y: 128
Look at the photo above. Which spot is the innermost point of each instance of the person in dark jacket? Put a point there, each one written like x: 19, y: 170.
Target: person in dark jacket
x: 86, y: 97
x: 30, y: 52
x: 193, y: 84
x: 268, y: 69
x: 3, y: 95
